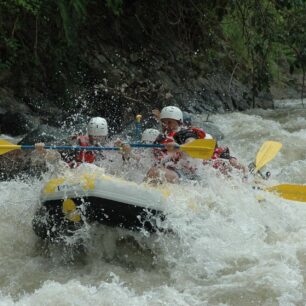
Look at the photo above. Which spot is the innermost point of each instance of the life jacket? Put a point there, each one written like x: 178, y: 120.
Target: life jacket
x: 201, y: 134
x: 160, y: 154
x: 179, y: 137
x: 220, y: 159
x: 222, y: 153
x: 83, y: 156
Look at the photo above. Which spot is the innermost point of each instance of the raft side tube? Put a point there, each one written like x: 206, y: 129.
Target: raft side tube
x: 112, y: 213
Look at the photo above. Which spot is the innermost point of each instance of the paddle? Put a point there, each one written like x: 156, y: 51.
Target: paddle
x: 292, y: 192
x: 266, y: 153
x: 199, y: 148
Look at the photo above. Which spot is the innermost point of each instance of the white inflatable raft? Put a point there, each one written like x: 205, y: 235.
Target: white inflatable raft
x: 68, y: 202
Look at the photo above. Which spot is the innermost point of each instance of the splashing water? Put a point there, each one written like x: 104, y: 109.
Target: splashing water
x: 226, y: 247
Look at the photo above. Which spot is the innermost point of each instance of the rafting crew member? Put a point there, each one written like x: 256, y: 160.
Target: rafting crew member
x: 97, y: 132
x: 148, y: 136
x: 170, y: 163
x: 187, y: 121
x: 225, y: 163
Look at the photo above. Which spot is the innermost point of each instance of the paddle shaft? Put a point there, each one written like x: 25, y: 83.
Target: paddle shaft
x: 93, y: 148
x: 198, y: 148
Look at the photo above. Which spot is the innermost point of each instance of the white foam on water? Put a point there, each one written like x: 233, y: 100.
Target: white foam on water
x: 227, y: 248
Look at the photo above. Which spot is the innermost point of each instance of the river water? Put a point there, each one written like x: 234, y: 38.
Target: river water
x: 227, y: 247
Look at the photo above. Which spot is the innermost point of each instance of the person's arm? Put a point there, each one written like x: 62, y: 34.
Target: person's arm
x: 156, y: 114
x: 234, y: 163
x: 48, y: 155
x: 126, y: 151
x: 190, y: 139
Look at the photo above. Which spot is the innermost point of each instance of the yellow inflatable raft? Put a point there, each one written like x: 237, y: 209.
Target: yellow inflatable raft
x: 68, y: 202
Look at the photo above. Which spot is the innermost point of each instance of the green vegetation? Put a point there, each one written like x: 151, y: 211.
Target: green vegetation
x: 259, y: 42
x: 267, y: 37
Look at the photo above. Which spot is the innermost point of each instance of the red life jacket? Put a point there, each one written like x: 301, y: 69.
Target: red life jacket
x: 220, y: 158
x: 201, y: 134
x: 179, y: 137
x: 223, y: 153
x: 83, y: 156
x: 160, y: 154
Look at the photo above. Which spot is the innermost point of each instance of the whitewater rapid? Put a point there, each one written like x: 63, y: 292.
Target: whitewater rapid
x: 227, y: 247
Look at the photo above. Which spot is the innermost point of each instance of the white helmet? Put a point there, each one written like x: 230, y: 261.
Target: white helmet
x: 208, y: 136
x: 97, y: 126
x: 171, y: 112
x: 149, y: 135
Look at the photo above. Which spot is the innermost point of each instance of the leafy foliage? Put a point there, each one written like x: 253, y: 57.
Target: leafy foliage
x: 115, y: 6
x: 258, y: 40
x: 264, y: 36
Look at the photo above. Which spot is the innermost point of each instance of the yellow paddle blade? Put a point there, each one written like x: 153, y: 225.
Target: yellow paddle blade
x: 6, y: 146
x: 266, y: 153
x: 200, y: 148
x: 290, y: 191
